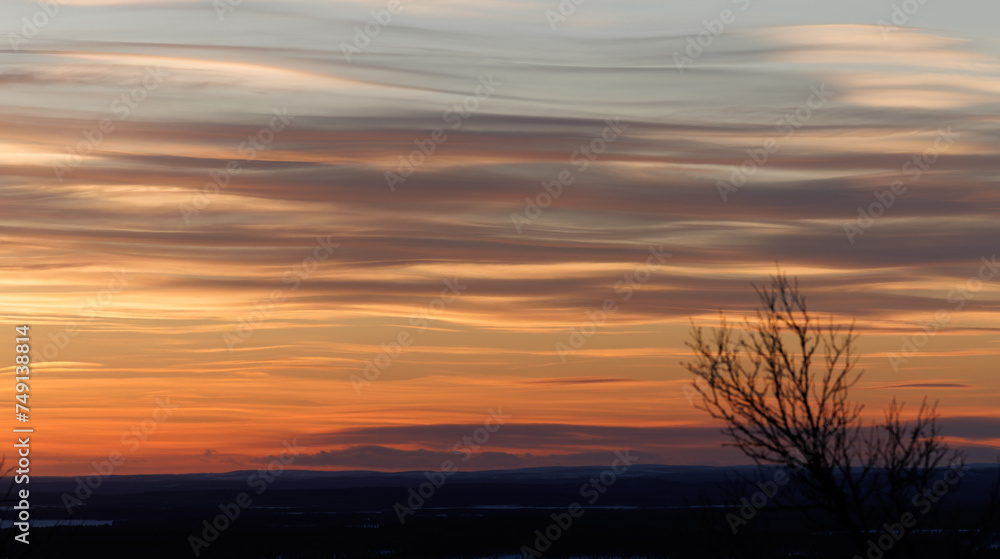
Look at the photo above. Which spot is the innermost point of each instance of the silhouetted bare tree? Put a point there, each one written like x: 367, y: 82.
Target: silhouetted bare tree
x: 781, y: 386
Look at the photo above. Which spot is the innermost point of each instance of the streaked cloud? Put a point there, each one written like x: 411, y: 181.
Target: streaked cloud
x: 191, y: 281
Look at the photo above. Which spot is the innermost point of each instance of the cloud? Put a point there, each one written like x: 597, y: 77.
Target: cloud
x: 926, y: 385
x: 975, y: 428
x: 581, y: 380
x: 324, y: 175
x: 374, y: 457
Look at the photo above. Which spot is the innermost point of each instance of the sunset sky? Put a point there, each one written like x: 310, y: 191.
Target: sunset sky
x: 204, y: 204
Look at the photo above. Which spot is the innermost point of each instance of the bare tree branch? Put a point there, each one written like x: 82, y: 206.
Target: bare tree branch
x: 781, y: 389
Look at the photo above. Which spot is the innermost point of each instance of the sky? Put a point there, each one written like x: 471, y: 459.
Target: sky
x: 393, y: 233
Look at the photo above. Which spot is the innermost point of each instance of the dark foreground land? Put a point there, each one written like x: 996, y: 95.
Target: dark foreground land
x: 647, y: 512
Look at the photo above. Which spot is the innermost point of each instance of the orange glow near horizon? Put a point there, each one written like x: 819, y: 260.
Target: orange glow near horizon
x: 246, y: 274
